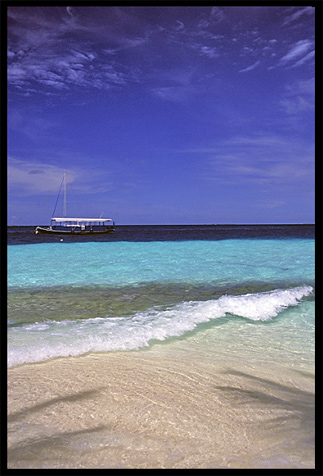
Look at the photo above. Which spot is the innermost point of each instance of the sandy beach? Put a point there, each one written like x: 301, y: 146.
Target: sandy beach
x: 159, y: 408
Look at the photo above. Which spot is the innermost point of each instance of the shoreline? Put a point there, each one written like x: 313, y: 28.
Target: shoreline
x: 162, y: 407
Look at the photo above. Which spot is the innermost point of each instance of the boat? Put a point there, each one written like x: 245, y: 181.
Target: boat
x: 75, y: 226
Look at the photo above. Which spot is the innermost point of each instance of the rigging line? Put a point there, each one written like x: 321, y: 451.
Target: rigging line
x: 60, y: 188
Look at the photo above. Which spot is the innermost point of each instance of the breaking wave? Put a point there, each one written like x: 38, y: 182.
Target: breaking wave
x: 51, y: 339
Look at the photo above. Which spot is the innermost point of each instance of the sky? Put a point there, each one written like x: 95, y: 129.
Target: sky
x: 162, y: 114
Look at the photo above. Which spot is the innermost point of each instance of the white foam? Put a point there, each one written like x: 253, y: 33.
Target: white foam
x: 46, y: 340
x: 263, y: 306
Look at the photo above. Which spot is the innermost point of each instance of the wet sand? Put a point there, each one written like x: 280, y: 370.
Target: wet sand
x: 159, y: 408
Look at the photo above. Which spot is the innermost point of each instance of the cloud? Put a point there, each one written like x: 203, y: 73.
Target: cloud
x: 28, y: 178
x: 259, y: 160
x: 48, y: 51
x: 299, y: 97
x: 297, y: 14
x: 90, y: 47
x: 65, y: 70
x: 305, y: 87
x: 33, y: 178
x: 179, y: 25
x: 69, y: 11
x: 296, y: 105
x: 216, y: 16
x: 308, y: 57
x: 300, y: 49
x: 210, y: 52
x: 250, y: 68
x: 115, y: 47
x: 173, y: 93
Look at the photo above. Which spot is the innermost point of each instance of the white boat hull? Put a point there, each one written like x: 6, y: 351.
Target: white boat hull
x: 76, y: 231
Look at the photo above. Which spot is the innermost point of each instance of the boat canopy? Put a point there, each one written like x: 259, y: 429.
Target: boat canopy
x: 87, y: 220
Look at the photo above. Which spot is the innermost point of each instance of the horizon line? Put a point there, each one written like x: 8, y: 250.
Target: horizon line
x: 201, y: 224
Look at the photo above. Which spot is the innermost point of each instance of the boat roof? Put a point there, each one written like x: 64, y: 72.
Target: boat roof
x: 81, y: 219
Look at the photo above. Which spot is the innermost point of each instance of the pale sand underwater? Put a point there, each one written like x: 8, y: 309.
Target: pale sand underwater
x: 171, y: 406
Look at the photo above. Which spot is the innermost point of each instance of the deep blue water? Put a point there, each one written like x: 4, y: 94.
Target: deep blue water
x: 25, y: 235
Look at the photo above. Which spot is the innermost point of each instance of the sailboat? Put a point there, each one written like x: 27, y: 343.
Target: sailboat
x: 77, y: 226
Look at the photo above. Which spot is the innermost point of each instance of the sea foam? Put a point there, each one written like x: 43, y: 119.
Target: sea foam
x: 50, y: 339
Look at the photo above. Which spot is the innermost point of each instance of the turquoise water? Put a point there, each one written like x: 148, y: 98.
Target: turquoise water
x: 68, y: 299
x: 122, y: 263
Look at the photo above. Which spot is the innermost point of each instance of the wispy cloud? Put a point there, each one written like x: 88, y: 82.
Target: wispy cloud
x: 299, y: 97
x: 65, y: 70
x: 296, y: 14
x: 310, y: 56
x: 171, y: 93
x: 298, y: 52
x: 216, y: 16
x: 210, y: 52
x: 249, y: 68
x: 49, y: 52
x: 31, y: 178
x: 114, y: 47
x: 175, y: 84
x: 261, y: 160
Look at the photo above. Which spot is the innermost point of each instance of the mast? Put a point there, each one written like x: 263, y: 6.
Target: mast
x: 64, y: 209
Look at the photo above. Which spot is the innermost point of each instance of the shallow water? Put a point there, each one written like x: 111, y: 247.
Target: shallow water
x: 186, y: 404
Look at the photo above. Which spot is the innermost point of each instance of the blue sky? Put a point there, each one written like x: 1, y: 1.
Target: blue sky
x: 162, y: 115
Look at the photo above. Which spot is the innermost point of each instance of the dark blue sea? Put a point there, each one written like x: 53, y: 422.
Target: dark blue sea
x: 25, y: 234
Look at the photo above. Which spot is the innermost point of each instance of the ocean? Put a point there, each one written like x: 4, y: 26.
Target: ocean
x: 232, y: 299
